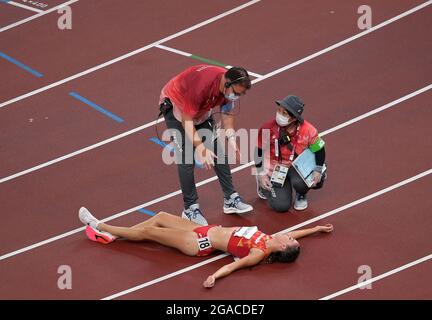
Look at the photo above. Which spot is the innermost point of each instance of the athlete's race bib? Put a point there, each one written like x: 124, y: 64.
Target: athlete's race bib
x: 246, y: 232
x: 204, y: 243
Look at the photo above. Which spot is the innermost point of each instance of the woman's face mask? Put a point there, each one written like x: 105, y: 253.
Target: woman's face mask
x: 282, y: 120
x: 232, y: 96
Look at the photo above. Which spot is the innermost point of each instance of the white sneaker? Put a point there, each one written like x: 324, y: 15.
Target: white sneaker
x: 300, y: 202
x: 87, y: 218
x: 92, y: 232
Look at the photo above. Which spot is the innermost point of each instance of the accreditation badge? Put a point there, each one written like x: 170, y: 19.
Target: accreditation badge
x: 279, y: 175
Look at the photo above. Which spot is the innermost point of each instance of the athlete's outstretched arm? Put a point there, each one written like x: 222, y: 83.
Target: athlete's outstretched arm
x: 248, y: 261
x: 297, y: 234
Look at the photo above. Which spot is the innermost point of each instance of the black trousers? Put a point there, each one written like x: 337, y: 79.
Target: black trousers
x: 185, y: 165
x: 280, y: 198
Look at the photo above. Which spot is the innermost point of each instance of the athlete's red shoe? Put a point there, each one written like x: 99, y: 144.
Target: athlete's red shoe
x: 99, y: 236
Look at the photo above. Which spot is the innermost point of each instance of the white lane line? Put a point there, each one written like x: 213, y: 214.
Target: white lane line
x: 127, y: 133
x: 182, y: 53
x: 80, y: 151
x: 221, y: 256
x: 377, y: 110
x: 333, y: 212
x: 346, y: 41
x: 115, y: 216
x: 130, y: 54
x: 377, y: 278
x: 271, y: 74
x: 251, y: 73
x: 360, y: 201
x: 190, y: 55
x: 23, y: 6
x: 123, y: 213
x: 166, y: 277
x: 18, y: 23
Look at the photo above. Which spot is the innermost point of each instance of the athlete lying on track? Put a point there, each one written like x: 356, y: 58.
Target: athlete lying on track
x: 247, y: 243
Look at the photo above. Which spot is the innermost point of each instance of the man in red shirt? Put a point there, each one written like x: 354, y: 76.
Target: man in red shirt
x: 290, y: 135
x: 186, y: 102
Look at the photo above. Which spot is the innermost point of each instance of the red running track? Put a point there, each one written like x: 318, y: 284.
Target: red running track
x: 129, y: 172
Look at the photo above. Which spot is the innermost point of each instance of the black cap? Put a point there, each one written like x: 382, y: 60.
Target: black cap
x: 293, y: 105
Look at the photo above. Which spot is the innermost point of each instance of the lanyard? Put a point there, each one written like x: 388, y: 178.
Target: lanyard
x: 278, y: 152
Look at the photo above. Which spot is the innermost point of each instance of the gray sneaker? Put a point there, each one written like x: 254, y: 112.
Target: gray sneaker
x: 194, y: 214
x: 235, y: 204
x: 300, y: 202
x: 260, y: 191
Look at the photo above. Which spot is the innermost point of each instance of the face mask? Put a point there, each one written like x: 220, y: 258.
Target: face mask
x: 281, y: 120
x: 232, y: 97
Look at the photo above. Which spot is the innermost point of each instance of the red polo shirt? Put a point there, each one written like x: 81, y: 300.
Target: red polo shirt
x: 307, y: 135
x: 195, y: 92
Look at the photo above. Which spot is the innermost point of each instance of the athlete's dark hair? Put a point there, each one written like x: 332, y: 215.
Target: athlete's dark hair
x: 239, y: 76
x: 290, y: 254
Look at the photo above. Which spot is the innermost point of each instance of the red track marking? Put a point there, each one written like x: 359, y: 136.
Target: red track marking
x: 281, y: 31
x: 417, y: 8
x: 91, y: 40
x: 9, y: 14
x: 401, y: 68
x: 129, y: 89
x: 408, y: 284
x: 45, y: 4
x: 340, y: 83
x: 41, y: 13
x: 23, y: 6
x: 131, y: 265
